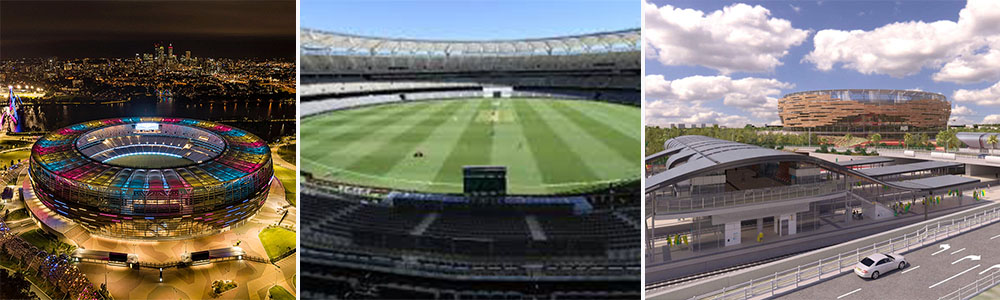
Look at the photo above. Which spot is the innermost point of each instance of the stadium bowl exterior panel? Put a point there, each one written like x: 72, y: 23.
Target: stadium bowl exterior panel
x: 851, y: 111
x: 204, y: 197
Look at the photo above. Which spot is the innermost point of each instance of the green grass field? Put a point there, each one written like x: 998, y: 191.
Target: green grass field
x: 277, y: 241
x: 6, y: 158
x: 287, y: 178
x: 280, y: 293
x: 548, y: 146
x: 45, y: 241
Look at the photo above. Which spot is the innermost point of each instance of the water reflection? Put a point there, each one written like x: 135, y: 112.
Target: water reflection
x: 267, y: 119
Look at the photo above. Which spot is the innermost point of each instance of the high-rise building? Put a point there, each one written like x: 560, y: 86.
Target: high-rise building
x: 170, y: 54
x: 187, y: 55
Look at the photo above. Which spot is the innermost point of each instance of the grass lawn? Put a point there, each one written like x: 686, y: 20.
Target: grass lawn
x: 548, y: 145
x: 280, y: 293
x: 6, y: 158
x: 18, y: 214
x: 44, y: 241
x: 287, y: 177
x: 287, y: 152
x: 277, y: 241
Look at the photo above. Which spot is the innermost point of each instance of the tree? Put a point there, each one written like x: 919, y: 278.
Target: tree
x: 923, y: 139
x: 907, y: 140
x: 13, y: 285
x: 874, y: 139
x: 947, y: 139
x: 993, y: 140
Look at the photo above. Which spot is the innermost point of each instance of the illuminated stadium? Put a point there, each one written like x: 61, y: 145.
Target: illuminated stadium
x: 893, y: 112
x: 471, y: 169
x: 151, y: 178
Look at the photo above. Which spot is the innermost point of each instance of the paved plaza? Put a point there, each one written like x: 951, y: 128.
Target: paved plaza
x: 253, y: 278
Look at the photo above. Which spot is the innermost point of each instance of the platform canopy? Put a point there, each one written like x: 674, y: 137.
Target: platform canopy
x: 908, y: 168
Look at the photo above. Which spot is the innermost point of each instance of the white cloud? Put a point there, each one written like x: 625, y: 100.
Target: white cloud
x: 795, y: 8
x: 739, y: 37
x: 747, y: 92
x: 665, y: 112
x: 981, y: 66
x: 681, y: 100
x: 904, y: 48
x: 959, y: 110
x: 991, y: 119
x: 985, y: 97
x: 960, y: 121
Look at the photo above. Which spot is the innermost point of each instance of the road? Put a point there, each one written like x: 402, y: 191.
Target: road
x: 934, y: 271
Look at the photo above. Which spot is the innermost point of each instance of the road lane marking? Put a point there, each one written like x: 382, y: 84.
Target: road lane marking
x: 972, y: 257
x: 911, y: 269
x: 848, y: 294
x: 957, y: 251
x: 943, y: 247
x: 990, y: 268
x: 953, y: 277
x: 995, y: 236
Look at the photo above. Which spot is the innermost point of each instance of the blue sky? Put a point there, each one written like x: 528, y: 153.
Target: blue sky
x: 919, y: 52
x: 469, y: 20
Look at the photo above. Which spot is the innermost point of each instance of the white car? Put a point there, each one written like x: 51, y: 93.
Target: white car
x: 877, y: 264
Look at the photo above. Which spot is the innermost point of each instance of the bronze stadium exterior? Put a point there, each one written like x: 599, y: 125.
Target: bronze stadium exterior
x: 864, y: 111
x: 219, y: 178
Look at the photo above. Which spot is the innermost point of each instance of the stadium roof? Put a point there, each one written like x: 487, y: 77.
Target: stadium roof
x: 332, y: 43
x: 873, y: 95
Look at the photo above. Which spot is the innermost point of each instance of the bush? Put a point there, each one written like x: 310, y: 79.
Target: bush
x: 222, y: 286
x: 823, y: 149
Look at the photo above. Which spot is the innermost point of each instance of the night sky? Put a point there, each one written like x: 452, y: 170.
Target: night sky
x: 78, y: 29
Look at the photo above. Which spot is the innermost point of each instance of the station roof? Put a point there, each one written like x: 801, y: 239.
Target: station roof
x: 907, y: 168
x: 692, y: 156
x: 937, y: 182
x: 865, y: 161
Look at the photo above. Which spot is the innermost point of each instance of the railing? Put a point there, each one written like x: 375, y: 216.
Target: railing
x: 958, y: 155
x: 791, y: 279
x: 716, y: 200
x: 282, y: 256
x: 973, y: 289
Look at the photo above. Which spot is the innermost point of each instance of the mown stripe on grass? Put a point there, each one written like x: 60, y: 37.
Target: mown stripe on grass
x: 627, y: 121
x: 473, y: 148
x: 349, y: 116
x: 436, y: 148
x: 392, y: 150
x: 328, y: 145
x: 627, y: 147
x: 561, y: 164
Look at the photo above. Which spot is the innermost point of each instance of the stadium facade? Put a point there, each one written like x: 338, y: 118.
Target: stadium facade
x: 864, y: 111
x: 151, y: 178
x: 377, y: 242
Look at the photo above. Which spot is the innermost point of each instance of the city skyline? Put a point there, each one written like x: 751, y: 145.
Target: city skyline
x: 112, y: 29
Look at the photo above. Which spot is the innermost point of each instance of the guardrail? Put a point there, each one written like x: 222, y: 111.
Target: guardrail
x: 936, y: 154
x: 667, y: 204
x: 791, y: 279
x: 971, y: 290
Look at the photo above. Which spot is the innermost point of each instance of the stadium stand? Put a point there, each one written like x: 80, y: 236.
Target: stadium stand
x: 367, y: 242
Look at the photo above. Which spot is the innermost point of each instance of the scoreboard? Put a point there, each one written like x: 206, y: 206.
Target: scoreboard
x: 484, y: 181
